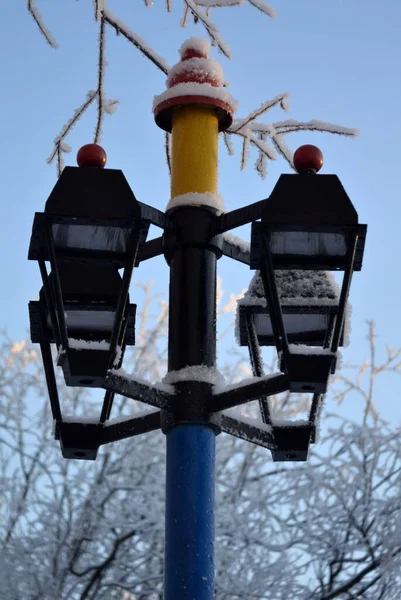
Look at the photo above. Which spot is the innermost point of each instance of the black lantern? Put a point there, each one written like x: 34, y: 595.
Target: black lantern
x: 91, y: 227
x: 308, y: 224
x: 90, y: 297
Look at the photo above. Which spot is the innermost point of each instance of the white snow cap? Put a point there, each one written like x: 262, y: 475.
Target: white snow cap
x: 203, y: 69
x: 196, y: 74
x: 196, y: 373
x: 88, y: 345
x: 193, y: 198
x: 199, y: 45
x: 196, y: 89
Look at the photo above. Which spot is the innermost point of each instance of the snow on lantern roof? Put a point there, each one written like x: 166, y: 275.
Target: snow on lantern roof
x: 301, y: 288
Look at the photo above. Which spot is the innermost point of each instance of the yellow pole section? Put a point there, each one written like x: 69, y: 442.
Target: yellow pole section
x: 194, y: 155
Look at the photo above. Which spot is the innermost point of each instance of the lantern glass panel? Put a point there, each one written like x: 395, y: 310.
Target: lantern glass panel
x: 100, y: 320
x: 90, y: 237
x: 93, y: 321
x: 308, y: 243
x: 300, y: 328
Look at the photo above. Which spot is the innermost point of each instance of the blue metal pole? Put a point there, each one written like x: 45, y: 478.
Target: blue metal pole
x: 189, y: 551
x: 191, y: 250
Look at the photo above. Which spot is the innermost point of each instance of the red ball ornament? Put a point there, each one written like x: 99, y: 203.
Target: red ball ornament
x: 308, y: 158
x: 91, y: 155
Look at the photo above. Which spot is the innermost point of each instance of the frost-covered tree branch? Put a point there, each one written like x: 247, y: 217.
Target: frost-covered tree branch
x: 37, y: 17
x: 267, y: 139
x: 321, y: 530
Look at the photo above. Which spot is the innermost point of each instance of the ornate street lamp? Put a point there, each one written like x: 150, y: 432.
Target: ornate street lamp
x: 93, y: 225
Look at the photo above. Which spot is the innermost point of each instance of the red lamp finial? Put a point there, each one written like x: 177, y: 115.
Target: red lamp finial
x: 308, y: 158
x: 92, y: 155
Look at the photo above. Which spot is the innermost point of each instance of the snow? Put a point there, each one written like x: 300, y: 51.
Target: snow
x: 303, y: 349
x: 40, y: 23
x: 290, y: 422
x: 198, y: 44
x: 219, y: 3
x: 203, y: 68
x: 193, y: 198
x: 196, y: 373
x: 295, y: 288
x: 218, y: 389
x: 264, y: 8
x: 233, y: 413
x: 212, y: 30
x: 196, y: 89
x: 313, y: 125
x: 237, y: 241
x: 88, y: 345
x: 163, y: 387
x: 136, y: 39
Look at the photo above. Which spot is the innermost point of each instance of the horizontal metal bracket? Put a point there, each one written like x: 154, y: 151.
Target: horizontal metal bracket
x: 240, y: 216
x: 255, y: 389
x: 236, y: 253
x: 153, y: 215
x: 137, y: 390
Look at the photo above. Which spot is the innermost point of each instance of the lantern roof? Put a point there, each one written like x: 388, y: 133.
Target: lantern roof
x: 93, y: 192
x: 309, y: 199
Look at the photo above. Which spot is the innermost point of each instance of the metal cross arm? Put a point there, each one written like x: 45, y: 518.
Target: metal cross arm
x: 214, y: 402
x: 249, y: 390
x: 139, y: 390
x: 82, y: 439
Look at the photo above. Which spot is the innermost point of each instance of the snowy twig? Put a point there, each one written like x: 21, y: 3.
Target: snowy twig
x: 58, y: 142
x: 37, y: 17
x: 136, y: 40
x: 210, y: 27
x: 263, y: 7
x: 256, y: 134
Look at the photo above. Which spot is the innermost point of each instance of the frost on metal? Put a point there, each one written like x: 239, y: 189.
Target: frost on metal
x: 237, y: 241
x: 162, y: 386
x: 221, y: 387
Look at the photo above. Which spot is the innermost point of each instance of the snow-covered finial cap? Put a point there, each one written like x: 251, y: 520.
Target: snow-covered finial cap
x: 196, y: 79
x: 91, y: 155
x: 308, y: 159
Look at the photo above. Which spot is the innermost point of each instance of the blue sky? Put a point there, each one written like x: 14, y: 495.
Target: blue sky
x: 340, y: 62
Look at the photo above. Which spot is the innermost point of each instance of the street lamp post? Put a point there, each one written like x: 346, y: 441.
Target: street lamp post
x: 93, y: 226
